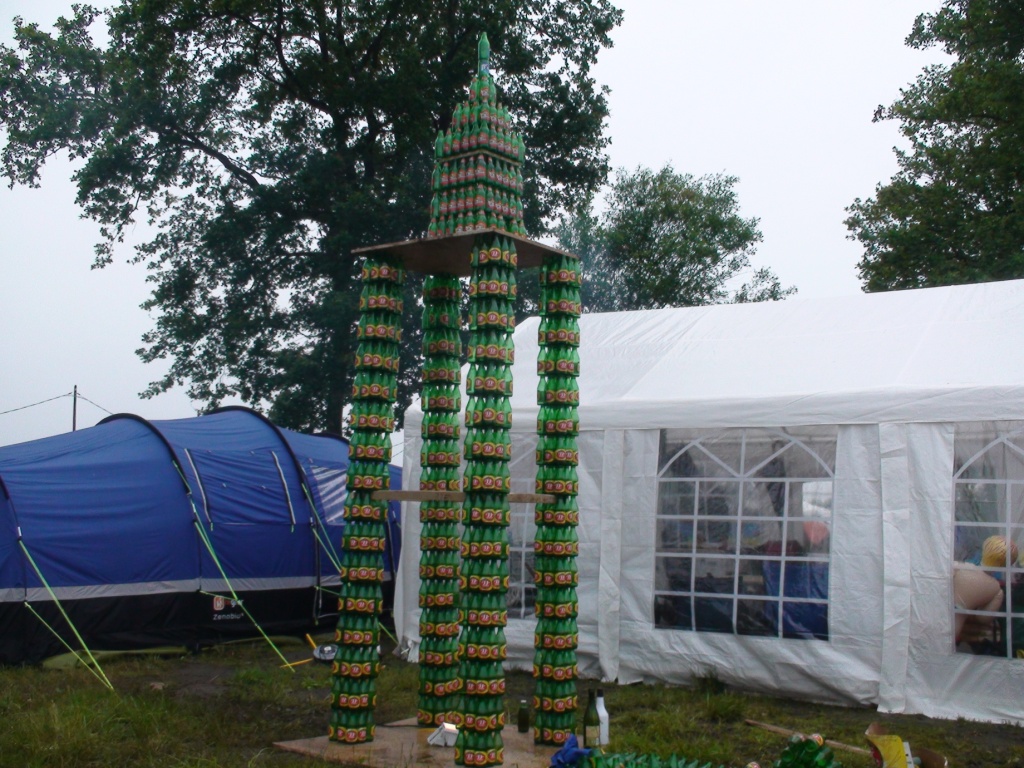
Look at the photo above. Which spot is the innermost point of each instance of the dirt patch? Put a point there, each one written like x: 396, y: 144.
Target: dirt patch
x: 199, y: 679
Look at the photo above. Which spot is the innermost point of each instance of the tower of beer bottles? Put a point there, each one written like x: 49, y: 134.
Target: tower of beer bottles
x: 556, y: 544
x: 357, y: 661
x: 476, y: 231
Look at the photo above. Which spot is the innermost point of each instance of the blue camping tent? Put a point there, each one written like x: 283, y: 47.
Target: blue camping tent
x: 147, y: 533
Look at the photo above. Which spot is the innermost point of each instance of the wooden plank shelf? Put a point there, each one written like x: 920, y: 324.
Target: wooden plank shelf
x: 513, y: 498
x: 452, y: 254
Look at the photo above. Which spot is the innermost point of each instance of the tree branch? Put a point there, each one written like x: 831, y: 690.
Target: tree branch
x: 192, y: 141
x: 298, y: 90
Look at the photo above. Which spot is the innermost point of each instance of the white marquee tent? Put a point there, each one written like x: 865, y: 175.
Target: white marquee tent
x: 777, y: 494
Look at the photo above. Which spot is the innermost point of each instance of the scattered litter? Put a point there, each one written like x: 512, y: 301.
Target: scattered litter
x: 445, y: 736
x: 828, y: 742
x: 891, y: 751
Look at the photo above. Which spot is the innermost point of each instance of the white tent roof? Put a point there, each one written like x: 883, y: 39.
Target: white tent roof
x: 923, y: 355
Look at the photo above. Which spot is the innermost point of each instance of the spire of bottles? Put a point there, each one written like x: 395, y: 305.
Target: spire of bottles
x: 477, y: 182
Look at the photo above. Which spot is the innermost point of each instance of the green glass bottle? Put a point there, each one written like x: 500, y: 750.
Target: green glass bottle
x: 483, y: 55
x: 591, y: 723
x: 460, y: 747
x: 523, y: 718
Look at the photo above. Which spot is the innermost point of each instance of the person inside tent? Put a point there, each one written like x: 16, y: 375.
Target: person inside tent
x: 976, y: 589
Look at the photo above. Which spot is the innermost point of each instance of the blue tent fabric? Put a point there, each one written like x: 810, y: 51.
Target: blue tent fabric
x: 325, y: 474
x: 95, y: 504
x: 115, y: 519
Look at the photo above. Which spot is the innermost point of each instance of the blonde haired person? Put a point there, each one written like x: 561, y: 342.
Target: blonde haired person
x: 993, y: 552
x: 974, y: 589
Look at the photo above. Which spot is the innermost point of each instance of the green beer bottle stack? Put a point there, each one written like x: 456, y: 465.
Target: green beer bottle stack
x: 439, y: 683
x: 477, y: 183
x: 486, y: 513
x: 357, y: 661
x: 807, y: 752
x: 556, y: 544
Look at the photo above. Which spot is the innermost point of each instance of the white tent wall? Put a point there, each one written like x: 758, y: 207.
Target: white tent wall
x: 893, y: 374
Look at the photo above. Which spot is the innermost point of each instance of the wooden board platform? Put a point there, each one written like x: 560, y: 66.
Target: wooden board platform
x: 404, y: 745
x: 513, y: 498
x: 451, y: 254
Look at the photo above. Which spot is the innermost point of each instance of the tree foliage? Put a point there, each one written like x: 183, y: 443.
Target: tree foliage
x: 264, y: 139
x: 667, y: 240
x: 954, y: 211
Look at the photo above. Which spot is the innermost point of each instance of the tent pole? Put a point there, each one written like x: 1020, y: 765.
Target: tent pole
x: 74, y: 409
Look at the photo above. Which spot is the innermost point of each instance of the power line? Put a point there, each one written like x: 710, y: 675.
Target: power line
x: 58, y: 397
x: 83, y: 397
x: 49, y: 399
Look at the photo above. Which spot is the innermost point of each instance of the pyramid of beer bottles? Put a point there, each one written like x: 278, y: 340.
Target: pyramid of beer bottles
x: 477, y: 182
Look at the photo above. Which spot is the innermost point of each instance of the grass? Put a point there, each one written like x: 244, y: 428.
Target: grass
x: 226, y: 707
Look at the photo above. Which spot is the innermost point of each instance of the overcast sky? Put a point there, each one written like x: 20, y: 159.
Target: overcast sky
x: 779, y: 94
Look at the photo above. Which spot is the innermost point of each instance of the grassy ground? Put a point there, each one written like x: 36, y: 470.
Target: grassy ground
x: 226, y: 707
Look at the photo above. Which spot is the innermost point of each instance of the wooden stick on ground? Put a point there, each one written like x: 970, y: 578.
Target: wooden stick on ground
x: 788, y: 732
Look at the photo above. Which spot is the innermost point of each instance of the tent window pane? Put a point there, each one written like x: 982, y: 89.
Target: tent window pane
x: 675, y: 534
x: 757, y: 617
x: 717, y: 499
x: 522, y: 591
x: 673, y: 611
x: 673, y: 574
x: 743, y: 531
x: 716, y: 535
x: 712, y: 614
x: 677, y: 498
x: 715, y: 574
x: 988, y: 498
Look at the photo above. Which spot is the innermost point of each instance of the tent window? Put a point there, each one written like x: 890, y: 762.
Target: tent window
x: 332, y: 485
x: 988, y: 537
x: 743, y: 531
x: 522, y: 530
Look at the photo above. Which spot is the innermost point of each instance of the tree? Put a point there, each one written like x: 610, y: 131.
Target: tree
x: 264, y: 139
x: 667, y: 240
x: 954, y: 211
